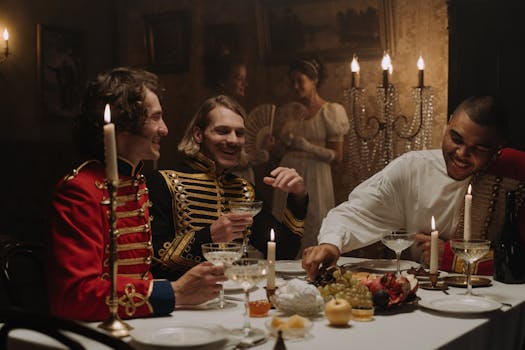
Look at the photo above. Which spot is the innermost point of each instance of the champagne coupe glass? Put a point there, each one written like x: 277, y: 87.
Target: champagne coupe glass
x: 248, y: 273
x: 398, y: 241
x: 239, y: 207
x: 469, y: 251
x: 218, y: 254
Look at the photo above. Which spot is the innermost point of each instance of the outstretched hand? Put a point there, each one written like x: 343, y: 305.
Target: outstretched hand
x: 287, y: 180
x: 323, y: 255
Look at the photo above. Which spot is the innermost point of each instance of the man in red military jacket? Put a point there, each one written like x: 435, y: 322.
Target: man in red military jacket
x: 78, y: 263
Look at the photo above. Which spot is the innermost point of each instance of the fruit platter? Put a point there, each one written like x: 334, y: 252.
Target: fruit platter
x: 365, y: 290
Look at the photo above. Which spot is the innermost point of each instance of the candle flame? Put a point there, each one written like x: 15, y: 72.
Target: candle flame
x: 6, y: 34
x: 469, y: 191
x: 420, y: 63
x: 107, y: 114
x: 354, y: 66
x: 386, y: 62
x: 272, y: 235
x: 433, y: 223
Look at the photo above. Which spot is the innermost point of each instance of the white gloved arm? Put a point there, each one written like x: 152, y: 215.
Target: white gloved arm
x: 321, y: 153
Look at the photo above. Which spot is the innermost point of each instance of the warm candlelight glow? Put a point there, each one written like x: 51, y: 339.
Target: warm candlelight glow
x: 434, y: 252
x: 467, y: 220
x: 354, y: 66
x: 107, y: 114
x: 386, y: 63
x: 6, y: 34
x: 270, y: 282
x: 420, y: 63
x: 433, y: 221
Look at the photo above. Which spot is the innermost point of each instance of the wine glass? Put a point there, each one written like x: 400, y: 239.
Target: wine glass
x: 251, y: 207
x: 470, y: 251
x: 220, y: 253
x: 248, y: 273
x: 398, y: 241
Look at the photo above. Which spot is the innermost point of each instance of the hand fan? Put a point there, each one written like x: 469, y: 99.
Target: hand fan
x: 258, y: 126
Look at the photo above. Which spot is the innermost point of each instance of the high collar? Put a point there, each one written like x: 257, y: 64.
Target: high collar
x: 126, y: 168
x: 202, y: 163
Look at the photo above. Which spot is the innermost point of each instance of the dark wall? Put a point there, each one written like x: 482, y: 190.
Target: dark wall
x: 486, y: 44
x: 38, y: 148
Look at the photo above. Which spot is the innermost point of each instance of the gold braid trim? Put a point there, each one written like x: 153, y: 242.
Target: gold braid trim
x: 294, y: 224
x: 132, y: 197
x: 75, y: 171
x: 129, y: 302
x: 132, y: 229
x: 133, y: 213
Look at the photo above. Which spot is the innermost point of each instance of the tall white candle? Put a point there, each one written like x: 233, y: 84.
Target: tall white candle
x: 271, y: 261
x: 434, y: 253
x: 421, y: 72
x: 110, y: 147
x: 467, y: 218
x: 354, y: 67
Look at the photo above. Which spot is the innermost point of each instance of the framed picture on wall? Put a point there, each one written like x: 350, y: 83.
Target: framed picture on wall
x: 331, y: 29
x: 168, y: 41
x: 59, y: 71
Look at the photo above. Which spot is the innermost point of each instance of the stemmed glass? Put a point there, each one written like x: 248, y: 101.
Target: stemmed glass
x: 398, y: 241
x: 248, y: 273
x: 469, y: 251
x: 220, y: 253
x: 251, y: 207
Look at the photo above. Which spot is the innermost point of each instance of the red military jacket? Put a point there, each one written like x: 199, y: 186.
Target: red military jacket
x: 78, y: 262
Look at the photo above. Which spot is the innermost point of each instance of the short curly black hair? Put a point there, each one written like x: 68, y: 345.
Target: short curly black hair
x: 124, y: 90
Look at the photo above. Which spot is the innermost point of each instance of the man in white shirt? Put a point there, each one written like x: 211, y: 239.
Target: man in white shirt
x: 415, y: 187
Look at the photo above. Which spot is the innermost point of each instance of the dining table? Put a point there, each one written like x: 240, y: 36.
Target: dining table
x: 416, y: 325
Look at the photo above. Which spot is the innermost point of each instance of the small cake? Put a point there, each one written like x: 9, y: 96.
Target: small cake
x: 362, y: 314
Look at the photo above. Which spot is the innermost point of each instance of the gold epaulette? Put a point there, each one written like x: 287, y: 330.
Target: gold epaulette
x: 75, y: 171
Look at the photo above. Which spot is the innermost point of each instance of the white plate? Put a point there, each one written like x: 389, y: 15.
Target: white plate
x: 289, y: 267
x: 180, y: 335
x: 386, y: 265
x: 461, y: 304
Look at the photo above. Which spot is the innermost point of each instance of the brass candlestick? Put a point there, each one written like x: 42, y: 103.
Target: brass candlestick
x: 113, y: 325
x: 434, y: 284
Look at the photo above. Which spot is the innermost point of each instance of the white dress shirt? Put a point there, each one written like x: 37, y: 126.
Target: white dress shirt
x: 405, y: 194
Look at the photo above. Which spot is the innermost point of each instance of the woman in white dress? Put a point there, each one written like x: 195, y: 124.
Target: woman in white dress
x: 310, y: 143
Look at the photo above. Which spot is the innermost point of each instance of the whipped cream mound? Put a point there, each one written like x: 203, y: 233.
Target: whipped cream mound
x: 298, y: 297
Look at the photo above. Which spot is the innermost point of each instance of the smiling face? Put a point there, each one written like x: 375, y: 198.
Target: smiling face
x: 144, y: 146
x: 303, y: 85
x: 237, y: 83
x: 223, y: 138
x: 468, y: 147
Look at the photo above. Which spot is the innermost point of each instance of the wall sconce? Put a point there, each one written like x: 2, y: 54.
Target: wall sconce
x: 6, y: 49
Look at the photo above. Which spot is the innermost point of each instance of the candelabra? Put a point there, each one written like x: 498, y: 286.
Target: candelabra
x: 113, y: 325
x: 373, y: 141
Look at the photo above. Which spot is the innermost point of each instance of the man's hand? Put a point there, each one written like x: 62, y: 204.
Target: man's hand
x: 287, y: 180
x: 323, y: 254
x: 199, y: 284
x: 229, y: 226
x: 423, y: 244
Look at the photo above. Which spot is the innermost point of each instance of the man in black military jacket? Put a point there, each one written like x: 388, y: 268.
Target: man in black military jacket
x: 191, y: 202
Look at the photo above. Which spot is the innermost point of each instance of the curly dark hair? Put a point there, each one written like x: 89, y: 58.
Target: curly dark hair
x: 124, y: 90
x: 311, y: 67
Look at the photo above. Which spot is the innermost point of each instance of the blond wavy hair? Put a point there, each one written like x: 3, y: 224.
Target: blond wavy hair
x: 189, y: 146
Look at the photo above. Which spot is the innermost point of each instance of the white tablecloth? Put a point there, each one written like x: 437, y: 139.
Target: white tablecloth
x: 409, y: 327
